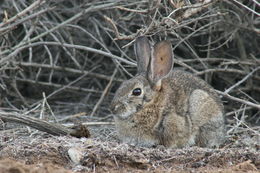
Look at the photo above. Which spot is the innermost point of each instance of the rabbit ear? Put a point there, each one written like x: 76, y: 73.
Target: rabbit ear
x: 143, y: 53
x: 161, y: 61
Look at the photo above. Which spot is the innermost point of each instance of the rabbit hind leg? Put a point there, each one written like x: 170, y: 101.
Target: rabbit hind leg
x: 211, y: 134
x: 207, y: 119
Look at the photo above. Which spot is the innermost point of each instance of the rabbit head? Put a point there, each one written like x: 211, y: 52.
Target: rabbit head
x: 153, y: 64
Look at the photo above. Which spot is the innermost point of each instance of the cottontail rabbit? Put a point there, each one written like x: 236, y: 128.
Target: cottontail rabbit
x: 161, y: 106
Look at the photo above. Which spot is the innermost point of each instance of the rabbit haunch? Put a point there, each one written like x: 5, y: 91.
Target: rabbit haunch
x: 172, y: 107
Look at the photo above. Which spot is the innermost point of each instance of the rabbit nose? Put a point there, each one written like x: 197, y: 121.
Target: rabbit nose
x: 116, y: 107
x: 113, y: 107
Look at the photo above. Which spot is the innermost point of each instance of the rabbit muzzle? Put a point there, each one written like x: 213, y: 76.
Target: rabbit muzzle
x: 122, y: 110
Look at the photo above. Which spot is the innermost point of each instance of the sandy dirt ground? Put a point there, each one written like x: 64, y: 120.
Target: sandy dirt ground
x: 42, y: 153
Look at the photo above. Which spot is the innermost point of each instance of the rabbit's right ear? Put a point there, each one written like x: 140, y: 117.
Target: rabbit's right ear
x: 143, y: 54
x: 161, y: 62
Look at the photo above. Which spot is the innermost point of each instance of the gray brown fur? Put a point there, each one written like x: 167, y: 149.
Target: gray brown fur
x: 176, y: 110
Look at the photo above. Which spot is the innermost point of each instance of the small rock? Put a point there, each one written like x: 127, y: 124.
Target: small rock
x: 75, y: 154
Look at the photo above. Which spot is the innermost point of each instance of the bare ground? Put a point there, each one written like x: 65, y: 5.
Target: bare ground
x: 44, y: 153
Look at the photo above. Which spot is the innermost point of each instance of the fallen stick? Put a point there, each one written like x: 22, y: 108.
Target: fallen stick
x: 42, y: 125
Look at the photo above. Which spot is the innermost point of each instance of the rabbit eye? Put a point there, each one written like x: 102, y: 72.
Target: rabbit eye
x: 137, y: 92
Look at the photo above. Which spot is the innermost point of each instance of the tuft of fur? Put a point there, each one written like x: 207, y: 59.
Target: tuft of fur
x: 175, y: 109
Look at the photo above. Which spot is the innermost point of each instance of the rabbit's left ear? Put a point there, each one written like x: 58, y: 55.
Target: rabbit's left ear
x: 142, y: 49
x: 161, y: 62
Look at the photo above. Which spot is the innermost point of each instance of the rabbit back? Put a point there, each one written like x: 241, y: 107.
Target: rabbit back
x: 195, y: 102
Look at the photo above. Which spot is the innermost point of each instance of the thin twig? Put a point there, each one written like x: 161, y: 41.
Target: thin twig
x: 246, y: 7
x: 72, y: 116
x: 17, y: 50
x: 19, y: 15
x: 72, y: 88
x: 67, y: 69
x: 241, y: 81
x: 238, y: 99
x: 227, y: 70
x: 91, y: 124
x: 104, y: 93
x: 78, y: 15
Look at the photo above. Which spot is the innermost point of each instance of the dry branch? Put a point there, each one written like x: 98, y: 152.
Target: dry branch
x: 67, y: 69
x: 22, y: 13
x: 101, y: 123
x: 41, y: 41
x: 239, y: 100
x: 72, y: 88
x: 18, y: 49
x: 105, y: 92
x: 42, y: 125
x: 76, y: 16
x: 187, y: 11
x: 241, y: 81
